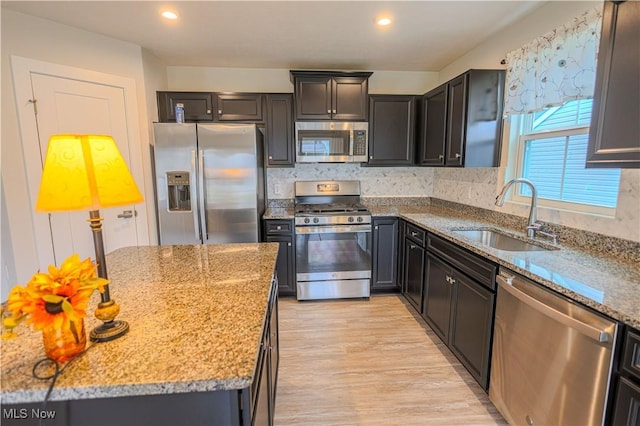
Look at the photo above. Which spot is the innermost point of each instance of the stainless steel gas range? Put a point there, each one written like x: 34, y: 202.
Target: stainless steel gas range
x: 333, y: 241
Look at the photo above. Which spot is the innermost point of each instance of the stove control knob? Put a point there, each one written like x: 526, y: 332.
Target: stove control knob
x: 316, y: 220
x: 350, y: 218
x: 359, y: 218
x: 306, y: 220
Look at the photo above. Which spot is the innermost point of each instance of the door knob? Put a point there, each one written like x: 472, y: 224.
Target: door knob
x: 126, y: 214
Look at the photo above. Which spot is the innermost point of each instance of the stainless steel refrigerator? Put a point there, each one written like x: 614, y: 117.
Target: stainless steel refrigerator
x: 209, y: 182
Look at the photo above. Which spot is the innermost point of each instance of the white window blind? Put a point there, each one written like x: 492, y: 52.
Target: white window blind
x: 553, y: 146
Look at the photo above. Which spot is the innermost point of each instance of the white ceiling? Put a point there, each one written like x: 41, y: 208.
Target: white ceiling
x: 425, y: 35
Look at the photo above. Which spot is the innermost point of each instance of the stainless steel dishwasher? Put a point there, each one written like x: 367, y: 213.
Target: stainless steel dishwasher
x: 551, y: 358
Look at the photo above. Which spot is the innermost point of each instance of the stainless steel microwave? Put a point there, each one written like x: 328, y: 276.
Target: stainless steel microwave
x: 331, y: 142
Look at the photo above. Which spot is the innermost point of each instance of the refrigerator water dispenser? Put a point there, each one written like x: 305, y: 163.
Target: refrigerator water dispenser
x: 179, y: 191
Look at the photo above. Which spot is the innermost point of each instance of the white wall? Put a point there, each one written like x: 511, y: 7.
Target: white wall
x: 155, y: 79
x: 490, y: 52
x: 278, y: 80
x: 39, y: 39
x: 478, y: 187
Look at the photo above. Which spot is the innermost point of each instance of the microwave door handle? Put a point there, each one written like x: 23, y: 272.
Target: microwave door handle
x: 351, y: 139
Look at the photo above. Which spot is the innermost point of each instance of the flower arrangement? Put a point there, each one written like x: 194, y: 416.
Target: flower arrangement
x: 54, y: 300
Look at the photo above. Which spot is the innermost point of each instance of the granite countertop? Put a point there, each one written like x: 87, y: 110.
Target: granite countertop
x: 608, y: 283
x: 195, y: 313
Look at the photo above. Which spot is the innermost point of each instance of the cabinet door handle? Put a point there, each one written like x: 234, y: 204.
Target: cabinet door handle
x: 440, y: 157
x: 334, y: 111
x: 328, y: 111
x: 271, y: 157
x: 208, y: 111
x: 457, y: 155
x: 412, y: 246
x: 371, y: 157
x: 288, y: 244
x: 219, y: 111
x: 279, y: 228
x: 375, y: 227
x: 453, y: 281
x: 414, y: 234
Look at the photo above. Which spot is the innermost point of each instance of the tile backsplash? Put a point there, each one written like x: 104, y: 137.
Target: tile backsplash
x: 374, y: 181
x: 476, y: 187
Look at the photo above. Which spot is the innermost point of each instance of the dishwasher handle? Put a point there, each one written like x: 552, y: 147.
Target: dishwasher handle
x: 594, y: 333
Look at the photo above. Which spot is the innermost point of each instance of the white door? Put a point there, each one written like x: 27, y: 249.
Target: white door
x: 70, y: 106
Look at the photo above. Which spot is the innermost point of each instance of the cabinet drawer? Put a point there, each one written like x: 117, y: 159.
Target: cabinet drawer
x: 471, y: 264
x: 416, y: 234
x: 278, y: 227
x: 631, y: 357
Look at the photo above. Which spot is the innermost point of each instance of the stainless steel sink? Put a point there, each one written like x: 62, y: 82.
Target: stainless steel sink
x: 498, y: 240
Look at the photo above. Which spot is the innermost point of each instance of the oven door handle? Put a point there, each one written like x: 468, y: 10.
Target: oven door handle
x: 342, y: 229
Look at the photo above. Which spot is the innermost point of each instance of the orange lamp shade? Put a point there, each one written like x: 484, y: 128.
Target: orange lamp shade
x: 85, y: 172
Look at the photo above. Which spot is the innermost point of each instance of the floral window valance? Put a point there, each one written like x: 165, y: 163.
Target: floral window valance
x: 555, y: 68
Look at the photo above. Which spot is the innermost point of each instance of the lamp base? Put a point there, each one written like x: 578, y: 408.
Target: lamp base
x: 109, y: 331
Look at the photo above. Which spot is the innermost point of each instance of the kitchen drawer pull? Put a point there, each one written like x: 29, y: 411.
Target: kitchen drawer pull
x: 589, y: 331
x: 288, y: 244
x: 279, y: 228
x: 414, y: 234
x: 412, y: 246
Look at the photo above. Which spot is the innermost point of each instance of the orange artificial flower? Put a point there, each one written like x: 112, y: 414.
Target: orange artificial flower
x: 54, y: 299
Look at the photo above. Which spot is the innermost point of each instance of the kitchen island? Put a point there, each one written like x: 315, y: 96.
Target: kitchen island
x: 202, y: 344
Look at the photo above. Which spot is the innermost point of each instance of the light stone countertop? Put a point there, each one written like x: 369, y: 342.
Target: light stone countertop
x: 608, y: 284
x: 196, y: 316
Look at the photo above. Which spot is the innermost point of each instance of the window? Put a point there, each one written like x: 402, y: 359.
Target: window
x: 550, y: 151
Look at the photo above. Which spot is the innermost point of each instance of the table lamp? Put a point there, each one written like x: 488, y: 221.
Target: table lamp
x: 87, y: 172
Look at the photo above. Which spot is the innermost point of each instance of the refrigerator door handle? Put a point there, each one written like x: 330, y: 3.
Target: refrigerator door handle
x: 203, y: 197
x: 194, y: 211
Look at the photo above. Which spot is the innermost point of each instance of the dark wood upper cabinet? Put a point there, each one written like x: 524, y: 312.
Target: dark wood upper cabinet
x: 392, y: 130
x: 462, y: 121
x: 614, y: 136
x: 197, y: 106
x: 456, y: 120
x: 324, y: 95
x: 280, y: 140
x: 434, y: 127
x: 239, y: 107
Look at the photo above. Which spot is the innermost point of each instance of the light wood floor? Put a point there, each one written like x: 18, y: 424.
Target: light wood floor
x: 358, y: 362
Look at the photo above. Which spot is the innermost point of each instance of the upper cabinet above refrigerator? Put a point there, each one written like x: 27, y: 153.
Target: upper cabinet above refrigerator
x: 329, y: 95
x: 614, y: 136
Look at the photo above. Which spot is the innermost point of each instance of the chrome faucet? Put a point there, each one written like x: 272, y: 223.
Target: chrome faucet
x: 533, y: 225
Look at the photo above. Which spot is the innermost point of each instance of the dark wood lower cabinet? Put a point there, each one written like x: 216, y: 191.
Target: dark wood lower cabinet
x: 414, y: 272
x: 384, y: 274
x: 281, y: 231
x: 437, y: 296
x: 472, y: 324
x: 459, y: 308
x: 627, y: 405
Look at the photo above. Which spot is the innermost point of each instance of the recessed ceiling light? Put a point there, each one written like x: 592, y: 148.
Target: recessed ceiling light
x: 170, y: 14
x: 383, y: 21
